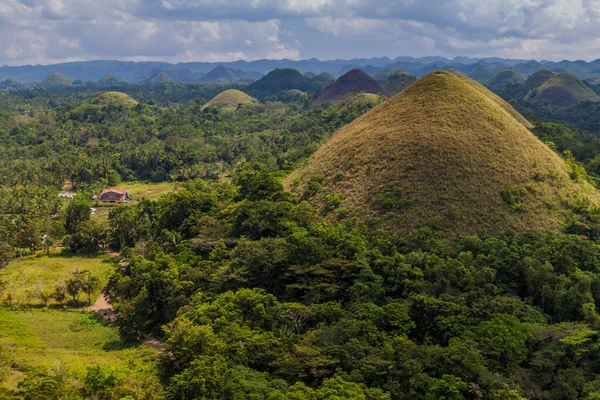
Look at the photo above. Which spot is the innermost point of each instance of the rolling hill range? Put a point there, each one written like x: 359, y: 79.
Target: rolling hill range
x: 398, y: 81
x: 354, y: 81
x: 230, y: 100
x: 445, y: 153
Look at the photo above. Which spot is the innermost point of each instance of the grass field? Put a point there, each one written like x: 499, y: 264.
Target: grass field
x: 45, y: 272
x: 139, y: 190
x: 71, y: 340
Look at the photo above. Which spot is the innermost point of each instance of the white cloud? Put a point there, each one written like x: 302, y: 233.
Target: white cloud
x: 204, y: 30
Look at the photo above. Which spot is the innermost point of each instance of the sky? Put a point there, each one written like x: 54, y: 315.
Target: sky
x: 52, y: 31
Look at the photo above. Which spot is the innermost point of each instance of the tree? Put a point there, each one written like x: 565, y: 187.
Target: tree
x: 60, y: 294
x: 78, y: 211
x: 45, y: 295
x: 90, y: 284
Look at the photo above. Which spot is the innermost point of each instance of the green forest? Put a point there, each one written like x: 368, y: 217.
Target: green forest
x: 227, y: 282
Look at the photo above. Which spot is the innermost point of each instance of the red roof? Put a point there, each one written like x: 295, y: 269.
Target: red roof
x: 120, y: 191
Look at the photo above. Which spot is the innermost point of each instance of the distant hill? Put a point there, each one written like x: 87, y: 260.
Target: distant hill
x: 160, y: 78
x: 445, y: 153
x: 114, y: 99
x: 557, y: 96
x: 398, y: 81
x: 56, y: 79
x: 220, y: 73
x: 279, y: 81
x: 572, y: 85
x: 504, y: 78
x: 228, y: 74
x: 323, y: 79
x: 538, y: 79
x: 110, y: 79
x: 354, y: 81
x: 230, y: 100
x: 485, y: 73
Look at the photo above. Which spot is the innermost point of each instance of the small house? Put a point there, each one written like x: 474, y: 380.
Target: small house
x: 115, y: 196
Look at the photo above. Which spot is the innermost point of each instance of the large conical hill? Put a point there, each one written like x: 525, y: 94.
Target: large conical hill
x: 445, y: 153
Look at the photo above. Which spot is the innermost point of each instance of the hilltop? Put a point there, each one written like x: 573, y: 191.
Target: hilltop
x: 354, y: 81
x: 230, y: 100
x: 114, y: 99
x: 539, y: 78
x: 56, y: 79
x: 571, y: 84
x: 445, y: 153
x: 398, y: 81
x: 504, y: 78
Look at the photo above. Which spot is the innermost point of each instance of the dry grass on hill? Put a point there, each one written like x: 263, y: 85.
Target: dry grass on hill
x: 446, y: 152
x: 230, y: 100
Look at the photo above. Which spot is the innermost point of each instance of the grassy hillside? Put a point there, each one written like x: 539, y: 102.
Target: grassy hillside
x: 73, y: 341
x: 25, y: 277
x: 230, y: 100
x: 114, y: 99
x: 573, y: 85
x: 446, y: 153
x: 398, y: 81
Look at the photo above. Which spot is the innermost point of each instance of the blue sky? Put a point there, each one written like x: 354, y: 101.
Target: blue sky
x: 50, y: 31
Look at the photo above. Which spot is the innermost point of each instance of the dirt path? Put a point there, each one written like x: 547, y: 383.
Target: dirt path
x: 103, y: 307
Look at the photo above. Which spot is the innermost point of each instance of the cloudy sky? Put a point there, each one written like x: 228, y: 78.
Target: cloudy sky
x: 50, y: 31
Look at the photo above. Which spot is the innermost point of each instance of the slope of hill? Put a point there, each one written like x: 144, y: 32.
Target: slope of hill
x: 278, y: 81
x: 323, y: 79
x: 230, y: 100
x: 573, y: 85
x: 114, y: 99
x: 445, y: 153
x: 292, y: 95
x: 557, y: 96
x: 398, y: 81
x: 538, y: 79
x: 354, y: 81
x: 504, y: 78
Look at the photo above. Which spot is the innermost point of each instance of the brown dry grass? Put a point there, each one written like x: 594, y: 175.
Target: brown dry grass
x: 230, y: 99
x: 453, y: 147
x: 114, y: 99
